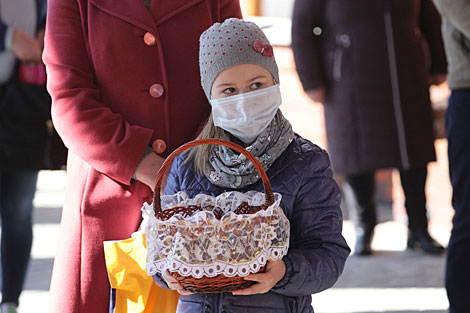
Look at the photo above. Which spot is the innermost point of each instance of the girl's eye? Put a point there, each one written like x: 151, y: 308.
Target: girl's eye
x: 255, y: 85
x: 229, y: 91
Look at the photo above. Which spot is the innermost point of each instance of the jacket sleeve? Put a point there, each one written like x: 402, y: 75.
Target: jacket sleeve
x: 88, y: 127
x: 172, y: 186
x: 306, y: 46
x: 318, y: 251
x: 42, y: 9
x: 457, y: 12
x: 430, y: 23
x: 157, y: 278
x: 42, y: 23
x: 3, y: 31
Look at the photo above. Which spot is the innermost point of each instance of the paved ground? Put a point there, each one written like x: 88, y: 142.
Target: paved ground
x: 393, y: 280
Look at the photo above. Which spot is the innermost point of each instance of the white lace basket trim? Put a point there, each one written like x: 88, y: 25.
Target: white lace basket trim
x: 202, y: 245
x: 212, y: 270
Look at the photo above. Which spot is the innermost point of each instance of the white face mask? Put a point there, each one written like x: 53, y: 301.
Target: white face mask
x: 246, y: 115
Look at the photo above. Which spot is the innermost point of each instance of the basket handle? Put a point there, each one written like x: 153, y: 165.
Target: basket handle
x: 267, y: 185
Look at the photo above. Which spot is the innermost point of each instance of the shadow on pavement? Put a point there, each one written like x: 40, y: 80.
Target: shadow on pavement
x: 39, y: 274
x: 47, y: 215
x: 38, y: 277
x: 393, y: 269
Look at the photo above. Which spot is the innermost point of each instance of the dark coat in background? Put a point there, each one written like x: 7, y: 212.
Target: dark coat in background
x: 27, y: 138
x: 374, y: 57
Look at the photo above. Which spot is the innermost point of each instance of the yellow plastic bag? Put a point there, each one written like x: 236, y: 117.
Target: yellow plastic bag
x: 135, y: 291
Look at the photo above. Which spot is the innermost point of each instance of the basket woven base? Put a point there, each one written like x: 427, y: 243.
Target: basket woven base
x: 217, y: 284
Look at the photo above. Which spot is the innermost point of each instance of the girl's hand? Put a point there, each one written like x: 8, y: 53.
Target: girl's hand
x: 173, y: 284
x: 275, y: 271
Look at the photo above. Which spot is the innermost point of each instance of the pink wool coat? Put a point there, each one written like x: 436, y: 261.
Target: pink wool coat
x: 121, y: 76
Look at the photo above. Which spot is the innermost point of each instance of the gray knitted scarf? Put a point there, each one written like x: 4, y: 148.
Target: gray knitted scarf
x: 227, y: 168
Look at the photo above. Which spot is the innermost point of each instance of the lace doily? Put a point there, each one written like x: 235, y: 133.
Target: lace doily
x: 202, y: 245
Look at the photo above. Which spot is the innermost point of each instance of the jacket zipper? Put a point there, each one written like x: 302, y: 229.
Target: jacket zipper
x: 396, y: 90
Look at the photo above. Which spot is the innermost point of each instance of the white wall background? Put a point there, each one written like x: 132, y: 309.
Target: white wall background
x: 273, y: 8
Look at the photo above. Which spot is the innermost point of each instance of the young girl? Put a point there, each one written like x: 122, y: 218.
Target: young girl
x: 240, y: 78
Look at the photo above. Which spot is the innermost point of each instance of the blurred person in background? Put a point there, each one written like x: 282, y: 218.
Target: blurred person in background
x: 371, y: 64
x: 27, y: 140
x: 124, y: 80
x: 456, y: 32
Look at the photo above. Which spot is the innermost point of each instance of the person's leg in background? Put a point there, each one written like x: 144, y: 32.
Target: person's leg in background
x: 17, y: 189
x: 458, y: 251
x: 359, y: 195
x: 413, y: 182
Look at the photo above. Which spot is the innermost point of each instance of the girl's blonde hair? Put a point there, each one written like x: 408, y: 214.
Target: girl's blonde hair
x: 200, y: 154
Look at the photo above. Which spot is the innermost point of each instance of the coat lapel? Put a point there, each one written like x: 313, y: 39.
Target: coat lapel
x: 131, y: 11
x: 135, y: 12
x: 164, y: 10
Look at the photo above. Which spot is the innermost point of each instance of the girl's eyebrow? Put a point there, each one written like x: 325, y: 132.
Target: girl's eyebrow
x: 223, y: 84
x: 256, y: 78
x: 249, y: 81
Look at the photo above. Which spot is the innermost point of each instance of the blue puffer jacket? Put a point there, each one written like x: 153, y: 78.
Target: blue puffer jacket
x: 317, y: 252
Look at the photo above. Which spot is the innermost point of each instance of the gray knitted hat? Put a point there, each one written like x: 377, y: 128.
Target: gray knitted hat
x: 231, y: 43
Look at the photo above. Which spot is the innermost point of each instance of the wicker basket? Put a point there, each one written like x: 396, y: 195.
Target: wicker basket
x: 194, y: 223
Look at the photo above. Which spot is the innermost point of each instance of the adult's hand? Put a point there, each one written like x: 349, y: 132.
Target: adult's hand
x: 147, y: 170
x: 25, y: 47
x: 173, y: 284
x: 316, y: 95
x: 275, y: 271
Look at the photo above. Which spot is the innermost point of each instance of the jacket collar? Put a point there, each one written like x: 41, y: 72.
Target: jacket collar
x: 135, y: 12
x: 131, y: 11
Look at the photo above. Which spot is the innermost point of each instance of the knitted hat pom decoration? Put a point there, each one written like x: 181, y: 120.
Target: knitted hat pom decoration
x: 231, y: 43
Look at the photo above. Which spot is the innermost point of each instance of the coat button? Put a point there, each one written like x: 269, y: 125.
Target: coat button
x: 159, y: 146
x: 156, y: 90
x: 149, y: 39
